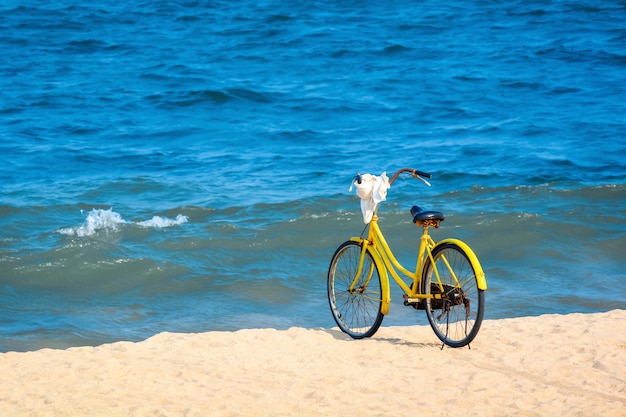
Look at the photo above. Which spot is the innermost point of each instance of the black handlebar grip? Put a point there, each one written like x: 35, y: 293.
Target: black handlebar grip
x: 422, y: 174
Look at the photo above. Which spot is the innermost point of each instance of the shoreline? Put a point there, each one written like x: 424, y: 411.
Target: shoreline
x: 568, y: 365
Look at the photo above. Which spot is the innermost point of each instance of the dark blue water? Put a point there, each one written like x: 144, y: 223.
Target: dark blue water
x: 184, y: 166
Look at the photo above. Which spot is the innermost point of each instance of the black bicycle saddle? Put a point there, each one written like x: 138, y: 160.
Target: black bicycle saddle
x: 420, y: 215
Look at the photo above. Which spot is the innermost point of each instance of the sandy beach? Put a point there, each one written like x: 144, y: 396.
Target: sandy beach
x: 551, y: 365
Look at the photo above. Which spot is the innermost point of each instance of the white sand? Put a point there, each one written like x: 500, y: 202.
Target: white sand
x: 552, y: 365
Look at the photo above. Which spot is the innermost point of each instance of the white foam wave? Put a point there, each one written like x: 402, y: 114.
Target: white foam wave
x: 158, y: 221
x: 110, y: 221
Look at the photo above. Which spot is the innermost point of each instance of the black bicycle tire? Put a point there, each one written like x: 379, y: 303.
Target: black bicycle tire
x: 355, y: 313
x: 477, y: 296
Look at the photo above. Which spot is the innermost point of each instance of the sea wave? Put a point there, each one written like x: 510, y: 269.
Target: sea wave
x: 110, y: 221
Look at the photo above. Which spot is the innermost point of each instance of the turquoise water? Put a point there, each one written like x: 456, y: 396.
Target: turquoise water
x: 185, y: 166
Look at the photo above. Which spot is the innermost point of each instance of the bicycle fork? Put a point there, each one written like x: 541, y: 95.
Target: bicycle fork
x: 359, y: 271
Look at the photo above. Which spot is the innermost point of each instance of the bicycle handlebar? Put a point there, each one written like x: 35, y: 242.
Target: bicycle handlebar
x: 414, y: 173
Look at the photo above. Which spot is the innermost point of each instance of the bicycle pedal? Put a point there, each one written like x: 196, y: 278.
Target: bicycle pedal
x: 416, y: 303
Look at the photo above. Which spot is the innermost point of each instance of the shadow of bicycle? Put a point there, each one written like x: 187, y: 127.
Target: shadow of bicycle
x: 339, y: 335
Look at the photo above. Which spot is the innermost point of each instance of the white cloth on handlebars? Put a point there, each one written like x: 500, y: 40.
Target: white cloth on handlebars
x: 372, y: 190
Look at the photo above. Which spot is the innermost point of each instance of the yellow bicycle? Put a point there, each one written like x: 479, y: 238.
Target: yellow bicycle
x: 448, y: 282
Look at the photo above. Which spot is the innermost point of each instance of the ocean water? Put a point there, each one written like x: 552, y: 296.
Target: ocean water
x: 184, y: 166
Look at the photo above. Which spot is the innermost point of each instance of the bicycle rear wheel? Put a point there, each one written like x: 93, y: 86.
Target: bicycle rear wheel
x: 357, y: 312
x: 457, y: 316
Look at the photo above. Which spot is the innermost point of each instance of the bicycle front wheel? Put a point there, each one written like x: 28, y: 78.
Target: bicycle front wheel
x: 355, y: 308
x: 457, y: 316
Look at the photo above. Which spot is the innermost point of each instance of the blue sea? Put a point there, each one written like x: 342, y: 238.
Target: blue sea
x: 184, y: 166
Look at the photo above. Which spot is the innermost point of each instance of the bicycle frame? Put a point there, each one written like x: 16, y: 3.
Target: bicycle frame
x: 376, y: 244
